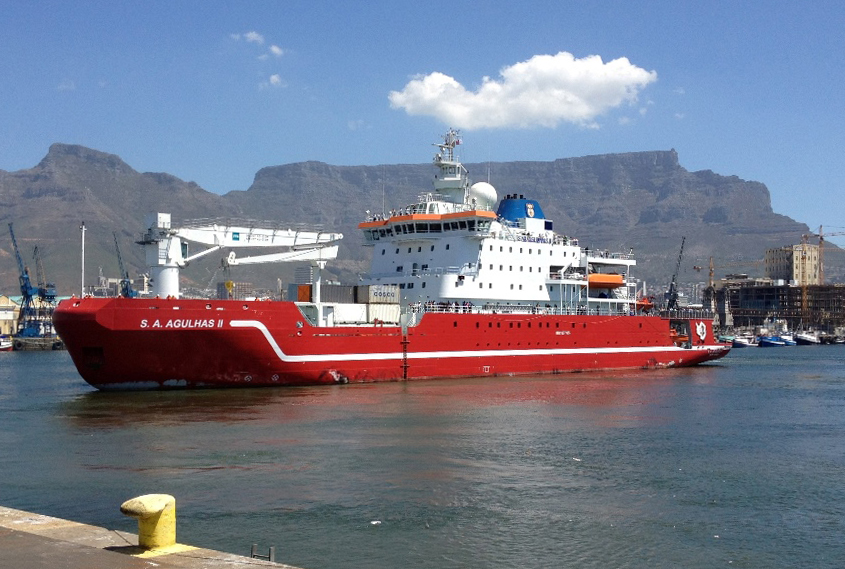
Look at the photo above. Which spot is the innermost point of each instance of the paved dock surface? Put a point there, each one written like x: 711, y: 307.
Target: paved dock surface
x: 34, y: 541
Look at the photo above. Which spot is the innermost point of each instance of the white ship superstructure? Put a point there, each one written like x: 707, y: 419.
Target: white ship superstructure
x: 451, y: 248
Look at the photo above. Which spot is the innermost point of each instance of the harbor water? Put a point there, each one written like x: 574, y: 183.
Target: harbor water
x: 739, y: 463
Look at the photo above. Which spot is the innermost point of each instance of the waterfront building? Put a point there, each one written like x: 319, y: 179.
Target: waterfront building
x: 794, y: 264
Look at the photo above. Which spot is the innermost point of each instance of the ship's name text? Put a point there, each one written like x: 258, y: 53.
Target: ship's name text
x: 182, y: 323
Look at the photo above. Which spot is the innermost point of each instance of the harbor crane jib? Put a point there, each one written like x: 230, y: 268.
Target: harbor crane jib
x: 126, y: 289
x: 29, y: 324
x: 166, y: 247
x: 673, y: 286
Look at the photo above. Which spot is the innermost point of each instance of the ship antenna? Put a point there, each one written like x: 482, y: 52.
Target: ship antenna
x: 450, y: 141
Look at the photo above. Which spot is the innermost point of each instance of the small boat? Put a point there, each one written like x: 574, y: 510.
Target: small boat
x: 744, y: 341
x: 6, y: 343
x: 807, y: 338
x: 771, y: 342
x: 788, y: 340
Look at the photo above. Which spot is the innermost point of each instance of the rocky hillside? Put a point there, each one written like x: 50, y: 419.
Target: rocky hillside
x: 645, y: 200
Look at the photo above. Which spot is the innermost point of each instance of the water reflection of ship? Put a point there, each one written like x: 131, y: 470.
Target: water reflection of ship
x: 589, y: 390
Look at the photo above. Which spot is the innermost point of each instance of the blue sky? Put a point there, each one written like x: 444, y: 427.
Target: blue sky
x: 212, y: 91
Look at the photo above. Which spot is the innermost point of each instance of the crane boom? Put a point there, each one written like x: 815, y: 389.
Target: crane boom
x: 166, y: 247
x: 126, y: 289
x: 673, y: 287
x: 29, y: 324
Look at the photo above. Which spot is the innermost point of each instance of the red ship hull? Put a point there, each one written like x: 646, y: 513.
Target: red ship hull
x: 119, y: 343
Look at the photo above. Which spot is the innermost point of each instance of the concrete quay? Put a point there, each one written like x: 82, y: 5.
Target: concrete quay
x: 35, y: 541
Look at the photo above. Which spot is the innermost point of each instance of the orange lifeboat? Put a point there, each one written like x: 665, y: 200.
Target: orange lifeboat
x: 601, y: 280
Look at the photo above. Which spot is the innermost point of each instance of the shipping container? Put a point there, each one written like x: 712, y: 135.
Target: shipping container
x: 377, y: 294
x: 388, y: 313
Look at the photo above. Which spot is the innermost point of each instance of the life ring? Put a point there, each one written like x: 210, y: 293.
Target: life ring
x: 18, y: 345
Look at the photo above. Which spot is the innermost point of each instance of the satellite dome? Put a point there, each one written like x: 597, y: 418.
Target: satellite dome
x: 484, y: 194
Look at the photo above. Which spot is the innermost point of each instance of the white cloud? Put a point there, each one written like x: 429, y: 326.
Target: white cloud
x: 543, y: 91
x: 66, y: 85
x: 274, y: 81
x: 355, y: 124
x: 254, y: 37
x: 679, y: 91
x: 277, y: 51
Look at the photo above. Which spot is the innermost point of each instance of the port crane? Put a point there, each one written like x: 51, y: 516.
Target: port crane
x: 821, y: 235
x: 46, y: 290
x: 126, y: 289
x: 673, y: 287
x: 712, y: 268
x: 30, y: 325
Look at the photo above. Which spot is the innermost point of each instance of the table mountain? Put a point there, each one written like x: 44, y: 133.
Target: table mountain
x: 641, y: 200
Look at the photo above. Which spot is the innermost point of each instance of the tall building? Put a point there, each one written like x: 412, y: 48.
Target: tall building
x: 795, y: 264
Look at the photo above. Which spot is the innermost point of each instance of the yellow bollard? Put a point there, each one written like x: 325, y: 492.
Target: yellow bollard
x: 156, y: 514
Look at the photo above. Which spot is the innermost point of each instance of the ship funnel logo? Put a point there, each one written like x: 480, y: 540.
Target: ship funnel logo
x: 529, y: 209
x: 701, y: 330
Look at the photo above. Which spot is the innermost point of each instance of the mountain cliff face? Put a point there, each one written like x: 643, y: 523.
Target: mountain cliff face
x: 644, y: 200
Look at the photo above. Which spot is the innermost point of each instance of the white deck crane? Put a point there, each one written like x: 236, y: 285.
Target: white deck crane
x: 166, y: 248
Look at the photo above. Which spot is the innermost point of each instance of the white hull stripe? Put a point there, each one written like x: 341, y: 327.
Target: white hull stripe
x: 461, y: 354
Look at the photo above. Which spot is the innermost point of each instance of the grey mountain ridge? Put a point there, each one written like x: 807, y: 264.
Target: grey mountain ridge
x: 641, y: 200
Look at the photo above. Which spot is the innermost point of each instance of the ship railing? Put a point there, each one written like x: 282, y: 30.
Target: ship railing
x: 596, y: 255
x: 417, y: 309
x: 525, y: 237
x: 469, y: 269
x: 687, y: 313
